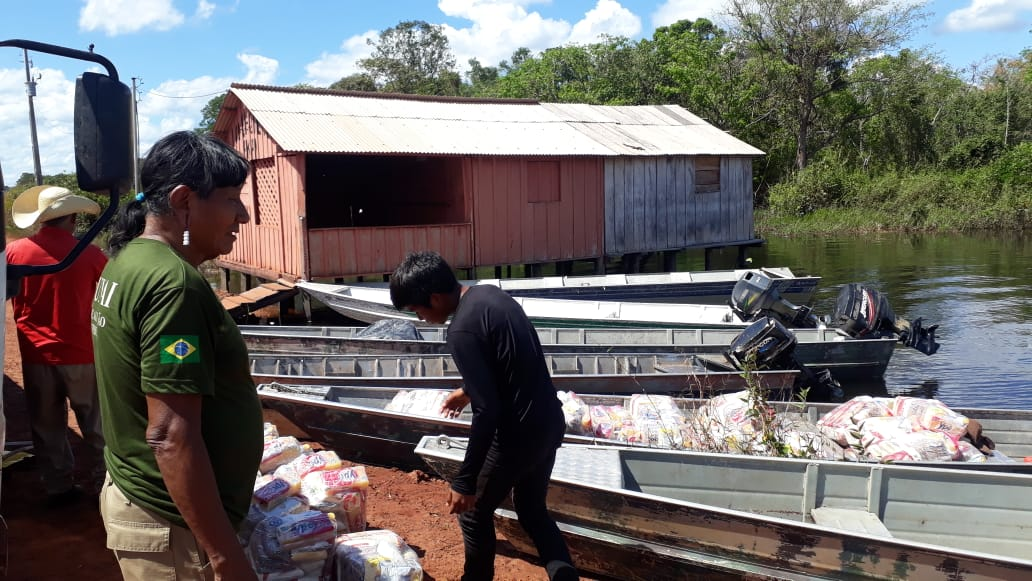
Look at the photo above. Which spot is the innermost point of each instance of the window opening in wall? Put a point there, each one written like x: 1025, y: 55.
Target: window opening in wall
x: 542, y: 181
x: 707, y: 173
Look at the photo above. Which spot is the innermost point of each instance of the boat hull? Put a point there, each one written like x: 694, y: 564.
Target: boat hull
x: 354, y: 421
x: 608, y: 374
x: 847, y: 358
x: 725, y: 506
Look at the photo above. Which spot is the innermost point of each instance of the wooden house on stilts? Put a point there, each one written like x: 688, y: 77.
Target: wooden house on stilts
x: 345, y: 183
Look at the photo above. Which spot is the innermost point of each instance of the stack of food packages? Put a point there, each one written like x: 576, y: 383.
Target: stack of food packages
x: 305, y: 507
x: 647, y: 420
x: 864, y: 428
x: 901, y: 429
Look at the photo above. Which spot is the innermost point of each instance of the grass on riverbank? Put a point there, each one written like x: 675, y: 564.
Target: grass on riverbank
x: 827, y: 197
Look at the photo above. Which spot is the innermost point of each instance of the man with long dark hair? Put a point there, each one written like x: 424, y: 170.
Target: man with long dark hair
x: 517, y: 418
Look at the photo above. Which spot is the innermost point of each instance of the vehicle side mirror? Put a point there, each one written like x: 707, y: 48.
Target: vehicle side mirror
x: 103, y: 133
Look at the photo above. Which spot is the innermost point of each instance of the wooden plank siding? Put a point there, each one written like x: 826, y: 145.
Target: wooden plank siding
x: 510, y: 228
x: 334, y: 252
x: 270, y: 244
x: 651, y: 204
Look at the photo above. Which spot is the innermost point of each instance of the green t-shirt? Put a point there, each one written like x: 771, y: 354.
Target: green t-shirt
x: 158, y: 328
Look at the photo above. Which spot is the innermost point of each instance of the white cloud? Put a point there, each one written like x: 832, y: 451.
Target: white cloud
x: 332, y: 67
x: 497, y: 28
x: 53, y: 112
x: 990, y: 15
x: 169, y: 106
x: 673, y: 10
x: 177, y: 104
x: 115, y: 17
x: 607, y: 17
x: 204, y: 10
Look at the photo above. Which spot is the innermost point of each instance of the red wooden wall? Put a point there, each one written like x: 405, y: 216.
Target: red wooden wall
x: 519, y: 219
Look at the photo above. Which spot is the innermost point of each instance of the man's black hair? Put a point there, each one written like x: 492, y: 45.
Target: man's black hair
x: 420, y: 275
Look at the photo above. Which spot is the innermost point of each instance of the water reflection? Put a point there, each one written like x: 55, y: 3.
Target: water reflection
x: 976, y: 288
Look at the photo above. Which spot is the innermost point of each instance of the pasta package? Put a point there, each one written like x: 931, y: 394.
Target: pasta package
x: 322, y: 485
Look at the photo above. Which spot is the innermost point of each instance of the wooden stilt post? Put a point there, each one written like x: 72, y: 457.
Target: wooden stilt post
x: 670, y: 261
x: 498, y: 272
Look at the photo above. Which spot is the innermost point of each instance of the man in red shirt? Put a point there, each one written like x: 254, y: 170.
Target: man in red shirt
x: 52, y: 313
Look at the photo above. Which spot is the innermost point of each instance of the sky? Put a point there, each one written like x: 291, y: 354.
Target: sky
x: 181, y: 53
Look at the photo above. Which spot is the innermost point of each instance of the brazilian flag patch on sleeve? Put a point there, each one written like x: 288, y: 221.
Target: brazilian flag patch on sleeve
x: 179, y: 349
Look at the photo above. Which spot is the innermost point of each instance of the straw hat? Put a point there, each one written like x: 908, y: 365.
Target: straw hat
x: 42, y: 203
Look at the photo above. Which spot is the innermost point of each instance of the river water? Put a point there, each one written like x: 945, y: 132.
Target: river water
x: 977, y: 288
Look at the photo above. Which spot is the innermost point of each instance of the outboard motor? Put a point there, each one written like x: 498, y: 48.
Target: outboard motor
x: 859, y: 311
x: 754, y: 296
x: 864, y: 312
x: 768, y: 344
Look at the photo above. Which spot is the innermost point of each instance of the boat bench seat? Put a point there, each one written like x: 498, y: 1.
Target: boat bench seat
x: 850, y: 519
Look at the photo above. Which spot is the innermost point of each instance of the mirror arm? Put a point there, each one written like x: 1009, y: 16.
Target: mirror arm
x: 65, y: 52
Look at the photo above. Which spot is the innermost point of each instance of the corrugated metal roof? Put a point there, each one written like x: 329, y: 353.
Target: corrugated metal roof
x: 331, y: 122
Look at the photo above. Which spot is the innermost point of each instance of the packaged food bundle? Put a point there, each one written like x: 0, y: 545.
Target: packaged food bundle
x: 268, y: 557
x: 278, y: 452
x: 379, y: 555
x: 931, y: 414
x: 272, y: 493
x: 304, y: 528
x: 840, y: 424
x: 311, y: 559
x: 729, y: 409
x: 419, y: 402
x: 576, y: 413
x: 349, y: 509
x: 805, y: 440
x: 304, y: 465
x: 649, y: 406
x: 919, y: 446
x: 323, y: 484
x: 652, y: 432
x: 969, y: 453
x: 608, y: 420
x: 262, y: 479
x: 887, y: 428
x: 255, y: 515
x: 270, y: 431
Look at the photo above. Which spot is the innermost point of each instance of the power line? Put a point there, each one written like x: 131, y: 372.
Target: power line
x: 156, y: 94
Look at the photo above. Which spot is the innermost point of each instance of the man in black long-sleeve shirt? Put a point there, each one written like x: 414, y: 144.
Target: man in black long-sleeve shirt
x: 517, y: 418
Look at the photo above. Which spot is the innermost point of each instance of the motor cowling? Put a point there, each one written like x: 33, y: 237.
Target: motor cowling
x: 768, y: 344
x: 866, y: 313
x: 755, y: 296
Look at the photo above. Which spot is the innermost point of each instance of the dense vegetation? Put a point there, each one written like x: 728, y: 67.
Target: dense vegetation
x: 858, y: 134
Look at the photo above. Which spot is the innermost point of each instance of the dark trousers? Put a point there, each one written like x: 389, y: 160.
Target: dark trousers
x: 526, y: 476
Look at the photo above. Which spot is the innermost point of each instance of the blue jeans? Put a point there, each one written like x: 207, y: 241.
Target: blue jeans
x: 526, y: 475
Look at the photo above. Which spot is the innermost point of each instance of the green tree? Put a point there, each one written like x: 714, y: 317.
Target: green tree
x: 64, y: 180
x: 482, y: 80
x: 805, y: 48
x: 355, y: 82
x: 413, y: 57
x: 210, y: 113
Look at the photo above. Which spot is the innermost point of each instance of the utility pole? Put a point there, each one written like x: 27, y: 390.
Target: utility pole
x: 30, y: 88
x: 136, y: 142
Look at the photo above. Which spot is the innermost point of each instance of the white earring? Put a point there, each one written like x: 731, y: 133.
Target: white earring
x: 186, y: 232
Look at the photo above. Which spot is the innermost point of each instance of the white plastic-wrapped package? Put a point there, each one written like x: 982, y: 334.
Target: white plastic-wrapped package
x: 419, y: 402
x: 919, y: 446
x: 279, y: 451
x: 303, y: 465
x: 349, y: 508
x: 931, y: 414
x: 608, y: 420
x: 379, y: 555
x: 576, y: 413
x: 341, y: 492
x: 840, y: 424
x: 272, y: 493
x: 255, y: 515
x: 304, y: 528
x: 270, y: 432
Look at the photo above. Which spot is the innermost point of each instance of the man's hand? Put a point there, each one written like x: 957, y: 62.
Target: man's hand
x: 454, y: 403
x: 460, y: 503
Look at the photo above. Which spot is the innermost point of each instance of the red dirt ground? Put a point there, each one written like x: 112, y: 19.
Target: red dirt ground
x: 44, y: 544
